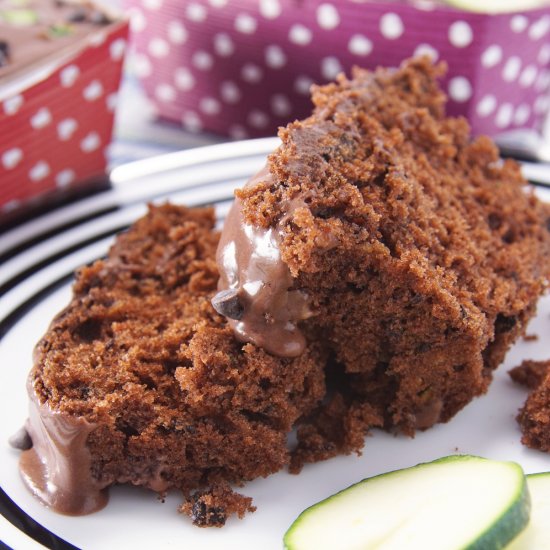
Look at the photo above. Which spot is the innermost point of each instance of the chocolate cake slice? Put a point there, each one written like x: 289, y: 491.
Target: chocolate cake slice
x: 140, y: 381
x: 382, y: 228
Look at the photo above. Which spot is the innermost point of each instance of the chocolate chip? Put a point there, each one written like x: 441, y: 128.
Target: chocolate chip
x: 504, y: 323
x: 78, y: 15
x: 4, y: 53
x: 228, y: 303
x: 21, y: 440
x: 207, y: 516
x: 495, y: 221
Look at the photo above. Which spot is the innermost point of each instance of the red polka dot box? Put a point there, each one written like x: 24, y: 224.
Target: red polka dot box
x: 244, y: 67
x: 56, y: 121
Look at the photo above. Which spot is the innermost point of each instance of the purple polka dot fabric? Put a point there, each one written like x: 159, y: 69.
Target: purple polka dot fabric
x: 244, y: 67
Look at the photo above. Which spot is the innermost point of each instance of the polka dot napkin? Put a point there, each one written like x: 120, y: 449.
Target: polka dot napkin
x: 243, y: 67
x: 55, y: 130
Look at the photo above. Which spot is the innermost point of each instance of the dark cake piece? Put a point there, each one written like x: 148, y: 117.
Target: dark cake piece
x: 409, y: 248
x: 534, y: 416
x: 530, y: 374
x: 140, y: 381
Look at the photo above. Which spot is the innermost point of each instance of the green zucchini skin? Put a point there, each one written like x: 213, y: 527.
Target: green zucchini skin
x: 537, y: 534
x: 496, y: 536
x: 511, y: 523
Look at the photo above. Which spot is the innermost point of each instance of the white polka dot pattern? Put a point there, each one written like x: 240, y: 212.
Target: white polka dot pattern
x: 64, y: 120
x: 280, y: 105
x: 202, y: 60
x: 11, y: 158
x: 391, y: 26
x: 65, y: 178
x: 504, y: 115
x: 196, y: 12
x: 460, y: 89
x: 236, y: 131
x: 426, y: 49
x: 39, y: 171
x: 299, y: 34
x: 69, y: 75
x: 230, y: 92
x: 191, y: 121
x: 210, y: 106
x: 303, y: 84
x: 165, y: 93
x: 330, y: 67
x: 511, y: 68
x: 275, y: 57
x: 117, y: 49
x: 177, y: 33
x: 270, y: 9
x: 93, y: 91
x: 66, y: 128
x: 159, y: 48
x: 519, y: 23
x: 242, y: 69
x: 41, y: 119
x: 491, y: 56
x: 251, y: 73
x: 138, y: 21
x: 486, y: 106
x: 13, y: 104
x: 245, y: 23
x: 91, y: 142
x: 223, y: 44
x: 328, y: 16
x: 460, y: 34
x: 152, y: 4
x: 184, y: 79
x: 112, y: 101
x: 359, y: 45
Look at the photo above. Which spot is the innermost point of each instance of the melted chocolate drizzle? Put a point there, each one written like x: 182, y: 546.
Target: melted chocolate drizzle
x: 57, y: 469
x: 250, y: 263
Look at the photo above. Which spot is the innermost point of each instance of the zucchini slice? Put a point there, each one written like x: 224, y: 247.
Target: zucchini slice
x: 537, y: 534
x: 457, y: 502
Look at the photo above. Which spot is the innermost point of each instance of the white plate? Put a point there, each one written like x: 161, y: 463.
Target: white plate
x: 38, y: 259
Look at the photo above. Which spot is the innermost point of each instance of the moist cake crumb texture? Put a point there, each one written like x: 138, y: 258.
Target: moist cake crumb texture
x: 422, y: 253
x: 171, y: 398
x: 534, y: 416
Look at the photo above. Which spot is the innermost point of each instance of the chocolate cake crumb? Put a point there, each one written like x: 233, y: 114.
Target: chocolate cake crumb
x: 534, y: 416
x: 530, y: 373
x: 530, y: 337
x: 212, y: 508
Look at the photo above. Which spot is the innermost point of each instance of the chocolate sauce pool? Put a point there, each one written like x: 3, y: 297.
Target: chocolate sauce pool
x: 250, y: 263
x: 57, y: 469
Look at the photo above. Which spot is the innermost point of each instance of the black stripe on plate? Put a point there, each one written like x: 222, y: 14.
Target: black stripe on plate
x: 31, y: 527
x: 13, y: 513
x: 22, y: 275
